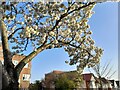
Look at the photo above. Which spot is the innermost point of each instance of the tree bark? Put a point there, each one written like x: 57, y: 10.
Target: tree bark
x: 9, y: 78
x: 7, y: 81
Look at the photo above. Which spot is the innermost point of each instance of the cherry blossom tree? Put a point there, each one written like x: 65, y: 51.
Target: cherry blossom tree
x: 46, y: 25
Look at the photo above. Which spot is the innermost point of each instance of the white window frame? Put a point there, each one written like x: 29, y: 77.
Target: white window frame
x: 26, y: 77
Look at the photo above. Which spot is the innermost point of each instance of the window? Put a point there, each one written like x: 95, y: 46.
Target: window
x: 26, y: 66
x: 15, y: 62
x: 26, y: 77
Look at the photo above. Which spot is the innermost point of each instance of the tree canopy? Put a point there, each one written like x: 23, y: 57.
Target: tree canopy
x: 49, y: 25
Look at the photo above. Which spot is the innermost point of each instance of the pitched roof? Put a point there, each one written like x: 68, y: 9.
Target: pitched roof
x: 104, y: 80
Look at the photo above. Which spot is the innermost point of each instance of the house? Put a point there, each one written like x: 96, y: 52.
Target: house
x: 115, y: 84
x: 118, y: 84
x: 89, y: 79
x: 24, y: 78
x: 105, y: 83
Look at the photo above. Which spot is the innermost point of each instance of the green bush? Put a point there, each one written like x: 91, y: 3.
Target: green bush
x: 63, y: 83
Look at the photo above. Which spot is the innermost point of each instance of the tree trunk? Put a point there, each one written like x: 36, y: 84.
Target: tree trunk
x: 9, y: 75
x: 8, y: 82
x: 11, y: 86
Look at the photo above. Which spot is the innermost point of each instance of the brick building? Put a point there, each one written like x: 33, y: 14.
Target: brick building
x: 24, y: 78
x: 50, y: 78
x: 89, y: 80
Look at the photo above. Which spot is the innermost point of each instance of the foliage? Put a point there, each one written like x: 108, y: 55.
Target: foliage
x: 53, y: 24
x: 47, y: 25
x: 63, y: 83
x: 35, y: 86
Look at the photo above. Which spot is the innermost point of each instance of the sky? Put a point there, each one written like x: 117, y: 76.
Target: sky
x: 104, y: 25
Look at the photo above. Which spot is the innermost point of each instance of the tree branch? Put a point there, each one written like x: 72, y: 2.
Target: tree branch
x: 105, y: 69
x: 10, y: 36
x: 82, y: 7
x: 67, y: 13
x: 76, y: 46
x: 26, y: 43
x: 28, y: 58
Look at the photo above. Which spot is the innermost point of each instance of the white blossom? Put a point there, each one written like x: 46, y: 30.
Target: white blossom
x: 52, y: 33
x: 55, y: 41
x: 77, y: 37
x: 35, y: 26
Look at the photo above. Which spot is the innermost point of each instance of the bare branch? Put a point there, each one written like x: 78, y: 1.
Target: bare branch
x: 106, y: 67
x: 26, y: 44
x: 103, y: 68
x: 108, y: 72
x: 112, y: 74
x: 96, y: 69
